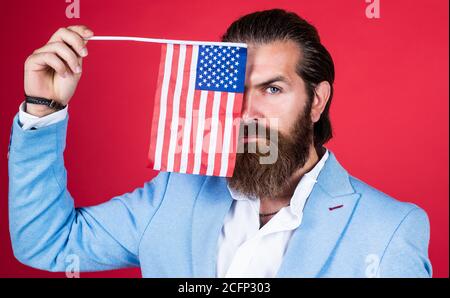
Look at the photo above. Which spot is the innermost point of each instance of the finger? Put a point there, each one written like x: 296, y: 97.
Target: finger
x: 51, y: 60
x: 84, y: 31
x: 72, y: 38
x: 64, y: 52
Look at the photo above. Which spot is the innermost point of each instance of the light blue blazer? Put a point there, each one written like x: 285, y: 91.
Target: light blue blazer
x: 170, y: 226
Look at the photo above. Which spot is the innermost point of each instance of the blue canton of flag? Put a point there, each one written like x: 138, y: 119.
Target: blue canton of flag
x: 221, y: 68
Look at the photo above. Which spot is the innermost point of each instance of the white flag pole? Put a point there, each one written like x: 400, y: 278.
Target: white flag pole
x: 171, y: 41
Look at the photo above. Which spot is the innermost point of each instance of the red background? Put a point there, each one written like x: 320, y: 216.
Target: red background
x: 390, y: 111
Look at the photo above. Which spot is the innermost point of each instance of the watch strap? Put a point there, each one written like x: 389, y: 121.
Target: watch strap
x: 44, y: 101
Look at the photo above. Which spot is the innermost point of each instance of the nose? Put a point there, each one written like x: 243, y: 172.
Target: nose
x: 249, y: 109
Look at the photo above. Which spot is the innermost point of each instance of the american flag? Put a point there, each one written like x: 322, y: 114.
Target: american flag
x: 197, y: 108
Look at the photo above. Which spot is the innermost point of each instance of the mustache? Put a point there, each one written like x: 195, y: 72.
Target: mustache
x: 256, y: 129
x: 268, y: 139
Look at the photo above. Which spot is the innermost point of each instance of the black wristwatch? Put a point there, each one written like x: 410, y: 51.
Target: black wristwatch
x: 44, y: 101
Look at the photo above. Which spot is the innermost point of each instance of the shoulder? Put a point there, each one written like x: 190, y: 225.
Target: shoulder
x: 383, y: 212
x: 379, y: 201
x: 400, y: 231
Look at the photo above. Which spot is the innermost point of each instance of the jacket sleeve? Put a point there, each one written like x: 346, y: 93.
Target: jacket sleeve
x: 407, y: 252
x: 47, y: 232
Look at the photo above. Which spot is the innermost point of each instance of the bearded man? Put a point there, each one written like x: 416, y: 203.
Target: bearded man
x: 300, y: 215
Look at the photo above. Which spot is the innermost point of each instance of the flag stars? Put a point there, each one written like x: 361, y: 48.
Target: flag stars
x: 219, y: 68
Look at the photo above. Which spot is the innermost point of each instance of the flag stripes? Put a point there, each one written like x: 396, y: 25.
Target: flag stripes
x: 193, y: 131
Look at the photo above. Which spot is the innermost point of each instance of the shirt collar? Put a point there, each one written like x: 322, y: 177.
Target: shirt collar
x: 315, y: 171
x: 302, y: 191
x: 305, y: 186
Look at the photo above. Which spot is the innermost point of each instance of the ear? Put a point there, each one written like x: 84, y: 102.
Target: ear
x: 321, y: 96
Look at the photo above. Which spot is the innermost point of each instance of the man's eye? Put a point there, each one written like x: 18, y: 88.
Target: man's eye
x: 273, y: 90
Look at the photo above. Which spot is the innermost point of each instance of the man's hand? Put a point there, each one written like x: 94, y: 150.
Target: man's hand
x: 53, y: 71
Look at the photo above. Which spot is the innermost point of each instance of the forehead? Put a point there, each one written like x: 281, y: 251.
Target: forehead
x: 272, y: 59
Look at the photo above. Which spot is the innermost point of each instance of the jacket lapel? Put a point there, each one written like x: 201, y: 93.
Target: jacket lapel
x: 211, y: 206
x: 312, y: 242
x: 325, y: 218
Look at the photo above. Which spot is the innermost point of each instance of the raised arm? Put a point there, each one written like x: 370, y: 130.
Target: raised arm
x: 47, y: 232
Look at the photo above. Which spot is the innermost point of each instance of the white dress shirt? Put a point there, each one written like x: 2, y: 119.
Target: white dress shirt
x: 244, y: 250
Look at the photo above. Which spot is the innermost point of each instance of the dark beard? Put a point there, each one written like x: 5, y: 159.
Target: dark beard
x: 258, y: 180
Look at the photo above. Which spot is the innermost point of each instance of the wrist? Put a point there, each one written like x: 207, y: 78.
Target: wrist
x: 38, y: 110
x: 40, y: 106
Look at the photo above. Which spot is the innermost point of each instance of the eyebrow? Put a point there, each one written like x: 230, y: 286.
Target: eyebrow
x: 273, y: 80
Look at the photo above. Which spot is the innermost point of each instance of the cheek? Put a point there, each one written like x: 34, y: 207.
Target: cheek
x: 286, y: 110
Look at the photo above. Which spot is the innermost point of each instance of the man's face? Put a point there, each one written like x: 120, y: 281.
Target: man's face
x: 274, y: 91
x: 273, y: 88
